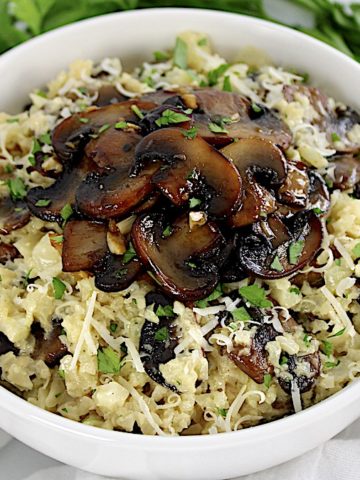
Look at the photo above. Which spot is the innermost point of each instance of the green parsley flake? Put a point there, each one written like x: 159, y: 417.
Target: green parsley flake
x: 17, y: 188
x: 255, y: 295
x: 213, y: 296
x: 137, y: 111
x: 256, y: 108
x: 276, y: 264
x: 167, y: 231
x: 191, y: 133
x: 113, y: 327
x: 215, y: 128
x: 222, y: 412
x: 192, y: 265
x: 318, y: 211
x: 356, y: 251
x: 214, y: 75
x: 103, y: 128
x: 227, y: 84
x: 170, y: 117
x: 57, y: 239
x: 120, y: 273
x: 165, y: 311
x: 41, y: 93
x: 162, y: 334
x: 12, y: 120
x: 337, y: 262
x: 84, y: 120
x: 295, y: 290
x: 36, y: 147
x: 61, y: 374
x: 241, y: 314
x: 180, y: 53
x: 194, y: 202
x: 129, y: 254
x: 26, y: 278
x: 44, y: 202
x: 337, y: 334
x: 108, y: 360
x: 160, y: 56
x: 267, y: 380
x: 332, y: 364
x: 327, y: 348
x: 283, y: 360
x: 295, y: 251
x: 66, y: 212
x: 335, y: 137
x: 45, y: 138
x: 59, y: 288
x: 121, y: 125
x: 202, y: 42
x: 8, y: 169
x: 307, y: 340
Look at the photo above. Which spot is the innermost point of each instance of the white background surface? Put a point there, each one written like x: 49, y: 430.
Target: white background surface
x: 338, y: 459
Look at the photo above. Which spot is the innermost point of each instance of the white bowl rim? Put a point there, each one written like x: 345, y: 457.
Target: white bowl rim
x: 334, y: 403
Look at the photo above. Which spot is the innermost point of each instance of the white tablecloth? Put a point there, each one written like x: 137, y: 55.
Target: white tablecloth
x: 338, y: 459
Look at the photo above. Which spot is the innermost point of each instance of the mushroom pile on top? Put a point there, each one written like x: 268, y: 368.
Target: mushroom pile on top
x: 203, y: 185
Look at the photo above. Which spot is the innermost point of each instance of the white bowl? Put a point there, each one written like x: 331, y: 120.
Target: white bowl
x: 134, y: 36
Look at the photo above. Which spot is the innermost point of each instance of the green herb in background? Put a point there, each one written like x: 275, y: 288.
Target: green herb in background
x: 334, y: 23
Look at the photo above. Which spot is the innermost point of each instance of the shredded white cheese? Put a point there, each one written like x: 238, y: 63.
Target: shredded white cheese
x: 344, y: 253
x: 295, y: 396
x: 339, y: 310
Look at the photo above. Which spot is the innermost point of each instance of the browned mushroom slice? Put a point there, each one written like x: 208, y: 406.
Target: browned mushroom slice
x: 113, y: 194
x: 107, y: 95
x: 47, y: 203
x: 148, y: 203
x: 84, y: 245
x: 295, y: 189
x: 13, y: 215
x: 8, y: 252
x: 257, y: 160
x: 114, y: 148
x: 346, y: 173
x: 338, y: 127
x: 48, y: 347
x: 310, y: 363
x: 281, y: 248
x: 255, y: 363
x: 319, y: 198
x: 238, y: 118
x: 192, y: 168
x: 71, y: 135
x: 114, y: 274
x: 314, y: 279
x: 186, y: 262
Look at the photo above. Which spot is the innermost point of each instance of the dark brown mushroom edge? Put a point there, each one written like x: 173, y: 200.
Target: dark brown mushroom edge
x: 218, y: 208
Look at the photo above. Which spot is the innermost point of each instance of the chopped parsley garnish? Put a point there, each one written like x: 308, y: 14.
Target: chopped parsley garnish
x: 66, y: 212
x: 307, y: 340
x: 202, y: 42
x: 255, y: 295
x: 169, y: 117
x: 57, y: 239
x: 36, y: 146
x: 17, y: 188
x: 192, y: 265
x: 267, y: 380
x: 129, y: 254
x: 165, y: 311
x: 121, y: 125
x: 180, y: 53
x: 332, y: 364
x: 327, y: 348
x: 45, y: 138
x: 44, y: 202
x: 120, y: 273
x: 222, y: 412
x: 61, y: 374
x: 84, y: 120
x: 241, y: 314
x: 41, y: 93
x: 113, y: 327
x: 26, y: 278
x: 191, y: 133
x: 167, y: 231
x: 256, y: 108
x: 356, y: 250
x: 194, y: 202
x: 215, y: 128
x: 295, y: 290
x: 103, y: 128
x: 337, y: 262
x: 59, y: 288
x: 137, y: 111
x: 283, y: 360
x: 276, y: 264
x: 65, y: 410
x: 214, y: 75
x: 160, y: 56
x: 337, y: 334
x: 335, y: 137
x: 213, y: 296
x: 162, y: 334
x: 295, y: 251
x: 318, y: 211
x: 108, y: 360
x: 8, y: 169
x: 83, y: 90
x: 227, y: 84
x: 12, y: 120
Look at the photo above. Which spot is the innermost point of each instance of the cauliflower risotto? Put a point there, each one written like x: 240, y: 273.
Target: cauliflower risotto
x: 179, y: 244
